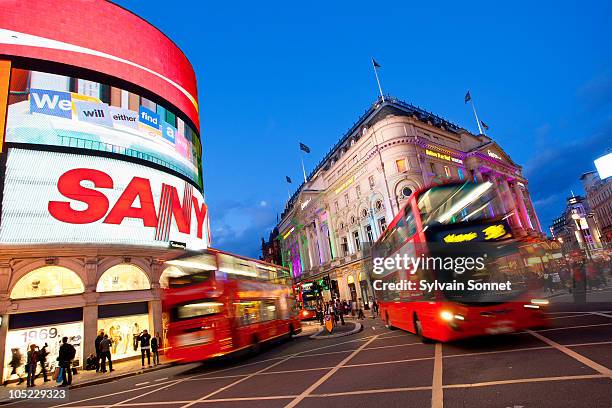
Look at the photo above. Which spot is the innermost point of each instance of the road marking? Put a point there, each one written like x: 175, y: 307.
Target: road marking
x: 602, y: 314
x: 234, y: 383
x: 526, y: 380
x: 145, y: 394
x: 566, y: 317
x: 375, y: 391
x: 142, y: 383
x: 563, y: 328
x: 331, y: 372
x: 584, y: 360
x: 161, y: 379
x: 388, y: 362
x: 437, y: 392
x: 396, y: 345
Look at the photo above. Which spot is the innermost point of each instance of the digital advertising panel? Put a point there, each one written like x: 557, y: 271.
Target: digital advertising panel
x: 56, y: 110
x: 52, y: 197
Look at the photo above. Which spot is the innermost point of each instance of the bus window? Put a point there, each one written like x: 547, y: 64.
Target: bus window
x: 268, y: 311
x: 201, y: 308
x: 248, y: 312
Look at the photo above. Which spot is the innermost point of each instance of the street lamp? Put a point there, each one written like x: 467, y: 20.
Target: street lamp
x: 576, y: 217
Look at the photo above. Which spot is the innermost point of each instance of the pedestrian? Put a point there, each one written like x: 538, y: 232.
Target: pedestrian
x: 99, y: 338
x: 144, y: 340
x: 15, y: 363
x: 31, y: 363
x: 155, y: 345
x: 372, y: 310
x: 65, y: 356
x: 376, y: 308
x: 42, y: 358
x: 105, y: 353
x: 360, y: 314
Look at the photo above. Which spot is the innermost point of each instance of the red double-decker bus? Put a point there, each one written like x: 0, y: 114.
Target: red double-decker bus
x: 219, y: 303
x: 443, y: 226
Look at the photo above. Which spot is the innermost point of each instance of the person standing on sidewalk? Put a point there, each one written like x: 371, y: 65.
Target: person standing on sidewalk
x: 99, y: 338
x: 65, y: 357
x: 105, y: 353
x: 15, y: 363
x: 31, y: 363
x: 144, y: 339
x: 155, y: 345
x: 42, y: 357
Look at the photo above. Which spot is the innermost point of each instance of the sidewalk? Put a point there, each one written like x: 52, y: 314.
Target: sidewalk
x: 85, y: 378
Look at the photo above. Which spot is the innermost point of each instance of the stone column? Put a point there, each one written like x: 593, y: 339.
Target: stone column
x: 511, y: 203
x: 521, y: 206
x: 90, y: 310
x: 534, y: 220
x: 332, y: 232
x: 319, y: 240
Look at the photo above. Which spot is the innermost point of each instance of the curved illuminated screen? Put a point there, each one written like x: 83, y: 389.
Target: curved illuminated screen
x: 57, y: 110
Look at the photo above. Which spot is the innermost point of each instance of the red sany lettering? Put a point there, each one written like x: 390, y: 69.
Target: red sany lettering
x: 138, y: 187
x: 69, y: 185
x: 200, y: 213
x: 178, y: 213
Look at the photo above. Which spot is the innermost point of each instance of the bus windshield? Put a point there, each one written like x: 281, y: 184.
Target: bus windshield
x: 450, y: 204
x: 199, y: 308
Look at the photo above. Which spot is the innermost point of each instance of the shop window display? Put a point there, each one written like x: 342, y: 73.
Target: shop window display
x: 48, y: 281
x: 121, y: 278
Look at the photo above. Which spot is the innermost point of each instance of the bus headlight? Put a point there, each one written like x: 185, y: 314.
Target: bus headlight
x: 446, y: 315
x: 542, y: 302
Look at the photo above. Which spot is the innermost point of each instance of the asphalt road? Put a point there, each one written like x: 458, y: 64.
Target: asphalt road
x: 567, y: 365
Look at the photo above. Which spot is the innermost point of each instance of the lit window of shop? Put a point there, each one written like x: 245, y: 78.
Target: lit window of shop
x: 121, y: 278
x: 123, y: 322
x: 401, y: 165
x: 48, y: 281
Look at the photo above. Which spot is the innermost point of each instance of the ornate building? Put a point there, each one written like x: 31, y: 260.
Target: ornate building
x: 599, y: 198
x: 394, y: 148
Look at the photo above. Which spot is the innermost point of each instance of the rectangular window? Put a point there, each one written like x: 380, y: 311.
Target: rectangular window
x: 248, y: 312
x: 401, y: 165
x: 369, y: 233
x: 383, y: 224
x: 371, y: 181
x: 357, y: 240
x: 433, y: 167
x: 447, y: 171
x: 336, y: 205
x: 346, y: 199
x: 344, y: 245
x: 358, y: 191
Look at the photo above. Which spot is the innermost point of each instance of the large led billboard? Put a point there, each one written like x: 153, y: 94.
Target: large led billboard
x: 604, y: 166
x: 52, y: 197
x: 56, y: 110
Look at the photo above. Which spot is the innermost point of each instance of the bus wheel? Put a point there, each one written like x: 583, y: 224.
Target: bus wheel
x: 418, y: 329
x: 388, y: 324
x: 291, y: 332
x: 255, y: 346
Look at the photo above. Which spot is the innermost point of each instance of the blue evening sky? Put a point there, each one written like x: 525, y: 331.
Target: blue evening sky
x: 274, y: 73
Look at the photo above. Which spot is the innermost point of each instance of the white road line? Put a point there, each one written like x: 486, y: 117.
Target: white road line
x: 526, y: 380
x: 597, y: 343
x: 144, y: 395
x: 569, y: 317
x: 584, y: 360
x: 565, y: 328
x: 437, y: 392
x: 374, y: 391
x: 210, y: 394
x: 142, y: 383
x: 161, y: 379
x: 602, y: 314
x: 321, y: 380
x: 396, y: 345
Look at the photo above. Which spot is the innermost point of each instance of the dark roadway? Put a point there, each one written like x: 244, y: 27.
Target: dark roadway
x: 567, y: 365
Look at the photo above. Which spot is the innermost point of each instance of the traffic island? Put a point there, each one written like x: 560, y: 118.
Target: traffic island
x: 338, y: 331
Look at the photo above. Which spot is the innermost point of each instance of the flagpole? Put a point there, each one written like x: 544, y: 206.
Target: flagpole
x: 303, y: 169
x: 476, y: 115
x: 378, y: 82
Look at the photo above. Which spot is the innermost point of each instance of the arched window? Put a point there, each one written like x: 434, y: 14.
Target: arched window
x: 48, y: 281
x: 170, y: 272
x: 123, y: 277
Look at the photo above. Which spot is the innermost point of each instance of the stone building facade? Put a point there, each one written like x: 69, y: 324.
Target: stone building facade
x: 394, y: 149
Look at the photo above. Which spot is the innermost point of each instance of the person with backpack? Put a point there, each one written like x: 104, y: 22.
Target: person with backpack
x: 66, y: 354
x: 42, y: 358
x: 31, y: 363
x: 105, y: 353
x: 99, y: 338
x: 144, y: 339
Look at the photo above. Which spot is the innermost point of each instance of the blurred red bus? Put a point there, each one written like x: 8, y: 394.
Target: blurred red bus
x: 219, y: 303
x: 453, y: 221
x: 307, y: 300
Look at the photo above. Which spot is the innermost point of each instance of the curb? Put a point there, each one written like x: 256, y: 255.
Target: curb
x: 316, y: 336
